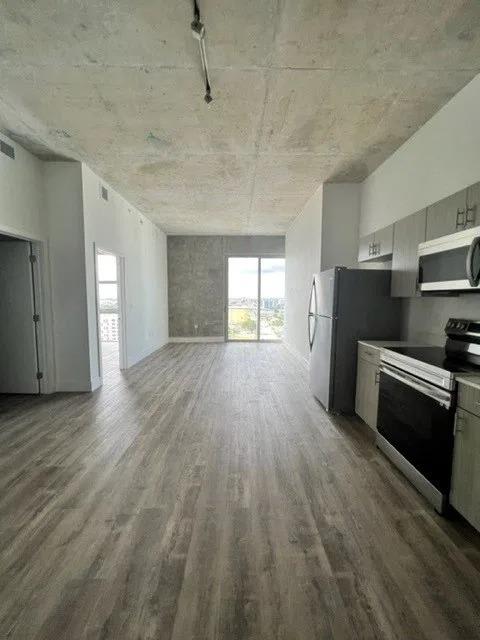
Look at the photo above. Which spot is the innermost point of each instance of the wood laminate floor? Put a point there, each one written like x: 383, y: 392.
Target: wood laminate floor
x: 204, y: 494
x: 110, y: 360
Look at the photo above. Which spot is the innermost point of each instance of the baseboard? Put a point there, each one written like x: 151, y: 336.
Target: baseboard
x: 291, y: 349
x: 74, y: 386
x: 198, y: 339
x: 95, y: 383
x: 144, y: 354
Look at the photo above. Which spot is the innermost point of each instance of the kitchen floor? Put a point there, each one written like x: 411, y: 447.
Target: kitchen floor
x: 205, y: 494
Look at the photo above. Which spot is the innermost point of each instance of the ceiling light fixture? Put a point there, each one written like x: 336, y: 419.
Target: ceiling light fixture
x: 198, y: 32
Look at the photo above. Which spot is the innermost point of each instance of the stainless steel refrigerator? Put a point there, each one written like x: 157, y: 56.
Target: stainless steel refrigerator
x: 346, y: 305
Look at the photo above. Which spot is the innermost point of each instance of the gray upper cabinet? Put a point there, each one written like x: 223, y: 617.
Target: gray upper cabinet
x: 409, y: 232
x: 384, y: 242
x: 365, y: 247
x: 472, y: 216
x: 447, y: 216
x: 376, y: 246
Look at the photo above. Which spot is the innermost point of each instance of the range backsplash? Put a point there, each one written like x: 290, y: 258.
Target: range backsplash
x: 424, y: 318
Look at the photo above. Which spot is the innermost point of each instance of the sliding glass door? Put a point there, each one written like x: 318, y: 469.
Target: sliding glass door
x: 272, y: 298
x: 242, y: 299
x: 255, y: 298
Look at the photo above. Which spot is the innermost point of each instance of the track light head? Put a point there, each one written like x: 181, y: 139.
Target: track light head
x: 198, y: 29
x: 198, y: 32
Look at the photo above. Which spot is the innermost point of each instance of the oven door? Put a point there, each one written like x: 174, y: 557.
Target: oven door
x: 450, y: 263
x: 416, y: 419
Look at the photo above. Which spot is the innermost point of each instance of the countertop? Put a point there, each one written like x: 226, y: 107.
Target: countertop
x: 471, y: 379
x: 384, y: 344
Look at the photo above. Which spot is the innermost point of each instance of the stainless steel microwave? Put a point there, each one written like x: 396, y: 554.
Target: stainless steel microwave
x: 450, y: 263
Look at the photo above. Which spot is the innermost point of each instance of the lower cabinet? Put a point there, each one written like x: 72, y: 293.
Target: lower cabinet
x: 465, y: 490
x: 366, y: 399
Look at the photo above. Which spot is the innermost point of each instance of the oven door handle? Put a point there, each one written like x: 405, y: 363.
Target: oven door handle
x: 442, y: 397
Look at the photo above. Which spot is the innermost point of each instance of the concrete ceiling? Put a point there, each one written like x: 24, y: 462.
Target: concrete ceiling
x: 305, y: 91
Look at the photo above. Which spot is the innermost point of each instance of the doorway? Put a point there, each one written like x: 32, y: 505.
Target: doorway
x: 255, y: 298
x: 110, y: 314
x: 20, y: 316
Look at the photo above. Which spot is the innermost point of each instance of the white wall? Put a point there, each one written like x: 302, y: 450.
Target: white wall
x: 116, y: 226
x: 303, y: 253
x: 21, y: 194
x: 23, y: 214
x: 340, y: 222
x: 66, y: 249
x: 441, y: 158
x: 58, y: 204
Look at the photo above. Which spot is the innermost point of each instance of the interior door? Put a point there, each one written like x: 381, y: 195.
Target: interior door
x: 18, y: 343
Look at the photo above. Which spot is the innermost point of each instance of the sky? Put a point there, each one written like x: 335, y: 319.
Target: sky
x: 243, y: 274
x: 107, y: 270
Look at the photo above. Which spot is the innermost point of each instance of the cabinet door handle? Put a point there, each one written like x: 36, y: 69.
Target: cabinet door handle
x: 470, y: 216
x: 458, y: 428
x: 460, y: 223
x: 378, y: 248
x: 377, y: 376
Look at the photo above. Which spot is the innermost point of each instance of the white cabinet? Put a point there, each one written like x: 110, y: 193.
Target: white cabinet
x: 366, y: 398
x: 409, y: 233
x: 376, y: 246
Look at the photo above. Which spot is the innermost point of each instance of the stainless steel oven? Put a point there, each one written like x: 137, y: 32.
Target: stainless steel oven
x: 416, y: 407
x: 450, y: 263
x: 415, y: 429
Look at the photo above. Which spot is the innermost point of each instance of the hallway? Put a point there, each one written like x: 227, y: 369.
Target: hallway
x: 205, y: 494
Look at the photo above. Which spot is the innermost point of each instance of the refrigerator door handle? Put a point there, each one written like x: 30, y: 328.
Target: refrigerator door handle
x: 311, y: 334
x: 313, y: 299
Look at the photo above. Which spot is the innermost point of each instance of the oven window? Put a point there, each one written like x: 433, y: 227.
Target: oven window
x: 419, y: 428
x: 444, y: 266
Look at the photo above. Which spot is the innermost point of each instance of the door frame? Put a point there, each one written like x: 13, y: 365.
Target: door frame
x: 122, y: 307
x: 44, y: 307
x: 259, y: 258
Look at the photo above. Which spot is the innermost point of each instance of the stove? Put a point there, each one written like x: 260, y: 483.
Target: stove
x: 434, y: 364
x: 417, y: 403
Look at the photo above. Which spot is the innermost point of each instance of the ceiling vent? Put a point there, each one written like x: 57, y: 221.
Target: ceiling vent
x: 7, y: 149
x: 104, y: 193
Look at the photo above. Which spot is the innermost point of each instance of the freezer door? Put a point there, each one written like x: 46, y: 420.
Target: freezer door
x: 326, y: 292
x: 322, y: 360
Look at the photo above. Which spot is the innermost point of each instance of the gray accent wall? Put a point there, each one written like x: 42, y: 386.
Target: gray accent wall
x: 196, y: 279
x: 424, y: 319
